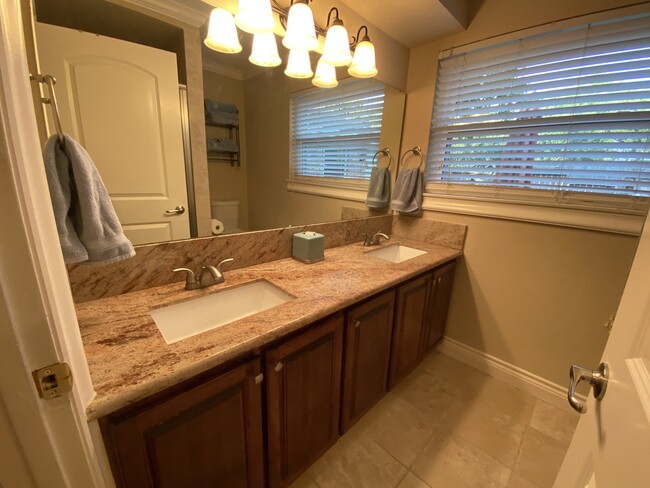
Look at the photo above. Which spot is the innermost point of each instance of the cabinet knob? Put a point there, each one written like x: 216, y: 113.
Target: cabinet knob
x: 278, y: 366
x: 357, y: 323
x: 259, y: 378
x: 439, y: 279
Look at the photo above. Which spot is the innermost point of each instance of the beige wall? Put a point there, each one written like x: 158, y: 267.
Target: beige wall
x: 533, y: 295
x: 228, y: 182
x: 268, y: 144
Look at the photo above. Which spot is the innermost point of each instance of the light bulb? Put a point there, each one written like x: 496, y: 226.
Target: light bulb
x: 301, y: 33
x: 222, y: 33
x: 298, y: 65
x: 337, y: 47
x: 254, y: 16
x: 325, y: 75
x: 265, y: 50
x: 363, y: 64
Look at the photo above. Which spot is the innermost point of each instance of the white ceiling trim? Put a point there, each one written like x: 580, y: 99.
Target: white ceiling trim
x: 180, y: 10
x: 222, y: 69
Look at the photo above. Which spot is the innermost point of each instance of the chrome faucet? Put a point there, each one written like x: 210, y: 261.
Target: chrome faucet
x: 375, y: 239
x: 210, y: 275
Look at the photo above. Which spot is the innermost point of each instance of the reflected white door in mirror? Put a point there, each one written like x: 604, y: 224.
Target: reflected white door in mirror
x: 121, y: 102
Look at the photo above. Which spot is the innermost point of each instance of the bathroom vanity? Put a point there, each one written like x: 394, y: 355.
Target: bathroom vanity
x: 254, y: 402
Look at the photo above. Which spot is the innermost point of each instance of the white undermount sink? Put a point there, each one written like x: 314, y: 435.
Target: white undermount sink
x: 185, y: 319
x: 396, y: 253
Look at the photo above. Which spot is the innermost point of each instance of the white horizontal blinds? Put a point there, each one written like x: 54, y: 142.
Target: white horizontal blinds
x: 334, y: 133
x: 567, y: 111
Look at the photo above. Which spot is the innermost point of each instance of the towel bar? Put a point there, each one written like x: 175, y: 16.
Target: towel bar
x: 50, y: 81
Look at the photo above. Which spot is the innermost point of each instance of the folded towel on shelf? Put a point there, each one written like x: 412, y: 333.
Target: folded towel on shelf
x: 214, y: 106
x: 379, y: 188
x: 407, y: 195
x: 222, y: 145
x: 222, y: 118
x: 88, y: 227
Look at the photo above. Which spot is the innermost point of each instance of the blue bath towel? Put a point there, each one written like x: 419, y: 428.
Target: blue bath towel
x: 407, y: 195
x: 88, y: 227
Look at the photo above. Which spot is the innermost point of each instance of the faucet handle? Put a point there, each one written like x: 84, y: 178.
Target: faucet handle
x: 225, y: 261
x: 190, y: 278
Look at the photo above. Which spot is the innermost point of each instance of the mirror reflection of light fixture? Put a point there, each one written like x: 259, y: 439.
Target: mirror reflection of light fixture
x: 363, y: 63
x: 337, y: 47
x: 254, y: 16
x: 265, y: 50
x: 301, y: 32
x: 325, y: 76
x: 299, y: 64
x: 222, y: 33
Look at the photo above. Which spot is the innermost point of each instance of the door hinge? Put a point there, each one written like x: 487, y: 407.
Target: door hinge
x: 53, y: 380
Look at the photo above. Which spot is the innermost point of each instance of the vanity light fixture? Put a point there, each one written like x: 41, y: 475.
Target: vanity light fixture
x: 299, y: 64
x: 255, y: 16
x: 337, y: 47
x: 222, y: 33
x: 363, y: 63
x: 265, y: 50
x: 325, y: 76
x: 301, y: 31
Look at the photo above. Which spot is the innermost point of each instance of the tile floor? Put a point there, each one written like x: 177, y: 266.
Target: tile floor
x: 449, y: 426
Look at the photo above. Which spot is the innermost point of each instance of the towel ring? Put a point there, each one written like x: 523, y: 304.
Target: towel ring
x: 414, y: 150
x: 385, y: 152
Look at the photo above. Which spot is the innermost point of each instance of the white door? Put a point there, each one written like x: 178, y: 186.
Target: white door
x: 120, y: 100
x: 611, y: 444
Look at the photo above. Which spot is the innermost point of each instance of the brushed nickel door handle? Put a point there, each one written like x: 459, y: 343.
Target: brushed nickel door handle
x: 597, y: 379
x: 176, y: 211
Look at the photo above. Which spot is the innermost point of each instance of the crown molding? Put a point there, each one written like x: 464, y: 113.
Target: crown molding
x: 187, y: 11
x: 220, y: 69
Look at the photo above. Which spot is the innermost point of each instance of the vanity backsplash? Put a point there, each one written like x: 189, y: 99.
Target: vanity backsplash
x: 153, y: 263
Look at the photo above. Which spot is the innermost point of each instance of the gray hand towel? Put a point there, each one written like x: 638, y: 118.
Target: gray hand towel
x: 379, y: 188
x: 407, y: 195
x: 88, y: 227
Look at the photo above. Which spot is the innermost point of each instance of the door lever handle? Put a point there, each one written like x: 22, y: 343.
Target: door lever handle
x: 597, y: 379
x: 176, y: 211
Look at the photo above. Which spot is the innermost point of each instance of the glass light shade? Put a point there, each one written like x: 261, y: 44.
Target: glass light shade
x: 325, y: 75
x: 363, y: 64
x: 222, y: 33
x: 298, y: 65
x: 254, y: 16
x: 301, y: 33
x: 337, y: 47
x: 265, y: 50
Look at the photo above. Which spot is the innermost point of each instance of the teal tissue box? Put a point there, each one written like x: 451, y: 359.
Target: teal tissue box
x: 308, y: 247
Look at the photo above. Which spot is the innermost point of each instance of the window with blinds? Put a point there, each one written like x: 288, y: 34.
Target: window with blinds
x: 335, y: 133
x: 563, y: 116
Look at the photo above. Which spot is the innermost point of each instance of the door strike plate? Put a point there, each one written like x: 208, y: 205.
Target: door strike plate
x: 53, y: 380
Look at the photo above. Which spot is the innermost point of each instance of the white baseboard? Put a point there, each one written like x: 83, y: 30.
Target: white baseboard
x: 545, y: 390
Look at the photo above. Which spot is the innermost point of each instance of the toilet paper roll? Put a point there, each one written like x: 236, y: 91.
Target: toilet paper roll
x: 217, y: 227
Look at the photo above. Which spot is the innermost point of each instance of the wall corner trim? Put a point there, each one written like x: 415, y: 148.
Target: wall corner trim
x: 537, y: 386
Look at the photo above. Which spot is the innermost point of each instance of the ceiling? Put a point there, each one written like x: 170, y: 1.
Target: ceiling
x: 413, y: 22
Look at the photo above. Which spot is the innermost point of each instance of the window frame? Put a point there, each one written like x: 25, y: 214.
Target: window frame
x: 352, y: 189
x: 481, y: 201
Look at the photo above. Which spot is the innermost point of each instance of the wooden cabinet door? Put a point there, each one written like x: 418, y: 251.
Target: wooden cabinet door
x: 210, y: 435
x: 304, y: 384
x: 367, y: 349
x: 438, y: 305
x: 407, y: 329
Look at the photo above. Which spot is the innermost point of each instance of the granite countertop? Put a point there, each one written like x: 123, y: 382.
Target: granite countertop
x: 129, y: 359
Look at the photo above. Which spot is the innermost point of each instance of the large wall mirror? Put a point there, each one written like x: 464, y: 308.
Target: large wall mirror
x: 119, y: 95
